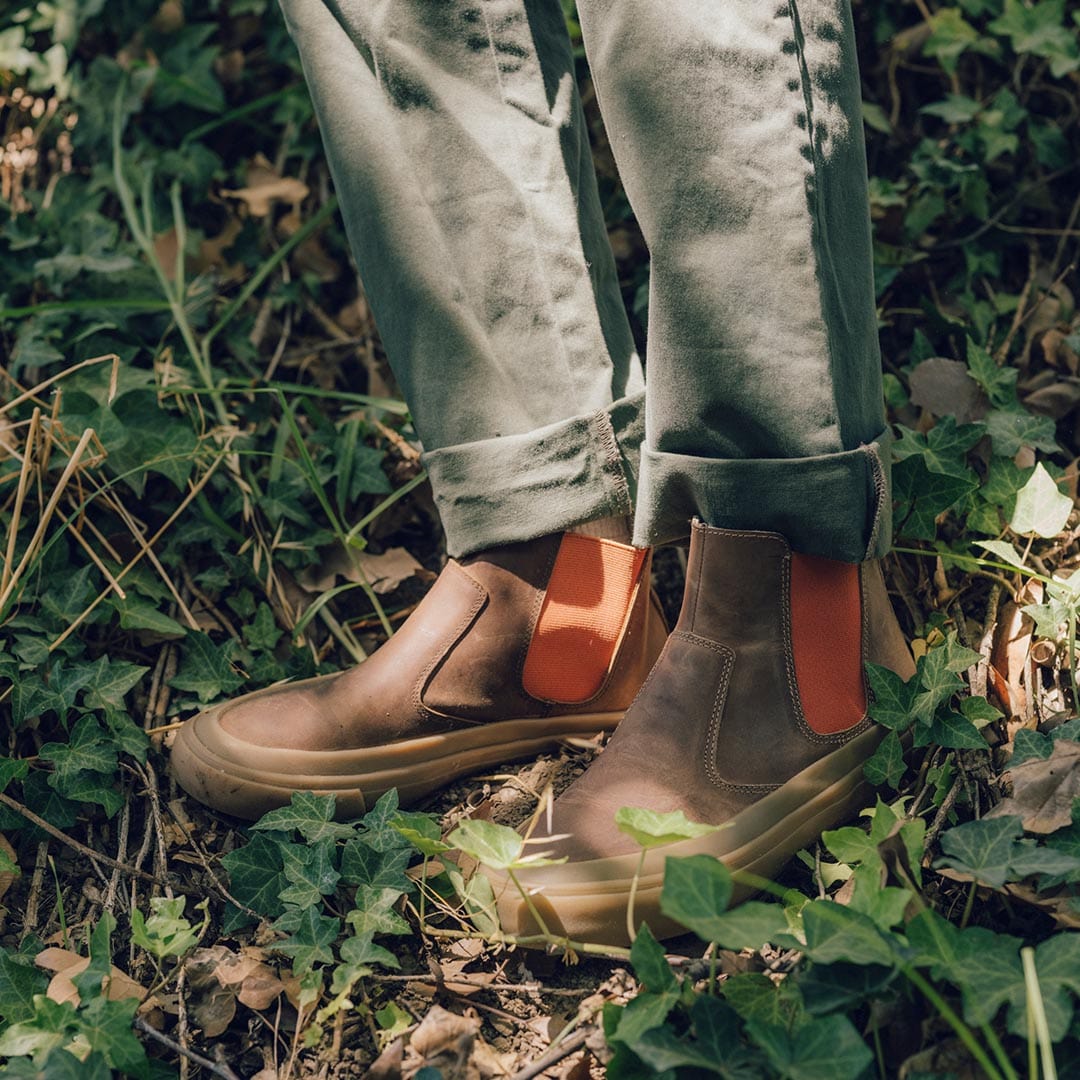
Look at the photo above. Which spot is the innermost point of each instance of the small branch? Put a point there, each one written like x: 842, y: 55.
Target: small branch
x: 217, y: 1068
x: 82, y: 849
x: 555, y: 1055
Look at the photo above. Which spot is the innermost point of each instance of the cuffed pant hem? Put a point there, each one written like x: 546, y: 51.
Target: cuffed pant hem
x: 837, y: 506
x: 518, y: 487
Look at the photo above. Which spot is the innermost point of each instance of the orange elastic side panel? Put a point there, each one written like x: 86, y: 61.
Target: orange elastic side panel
x: 826, y: 637
x: 586, y: 607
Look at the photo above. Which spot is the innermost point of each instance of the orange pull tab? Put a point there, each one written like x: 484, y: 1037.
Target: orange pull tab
x: 826, y: 638
x: 585, y: 610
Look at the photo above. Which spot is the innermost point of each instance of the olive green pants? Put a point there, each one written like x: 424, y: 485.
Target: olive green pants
x: 457, y: 144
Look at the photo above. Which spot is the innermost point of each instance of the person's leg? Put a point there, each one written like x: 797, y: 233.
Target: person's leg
x: 738, y: 134
x: 457, y: 144
x: 737, y: 131
x: 458, y: 148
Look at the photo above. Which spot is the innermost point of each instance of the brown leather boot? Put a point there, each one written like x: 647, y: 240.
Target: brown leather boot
x: 511, y: 650
x: 754, y: 717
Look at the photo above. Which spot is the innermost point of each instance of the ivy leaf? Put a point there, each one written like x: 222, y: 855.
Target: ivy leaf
x: 12, y: 769
x: 980, y: 712
x: 422, y: 831
x: 106, y: 1027
x: 378, y: 823
x: 496, y: 846
x: 886, y: 767
x: 107, y: 681
x: 363, y: 865
x: 998, y: 381
x: 718, y: 1048
x: 749, y: 926
x: 313, y: 934
x: 357, y: 955
x: 1040, y: 29
x: 1010, y: 430
x: 952, y: 730
x: 19, y: 982
x: 205, y: 669
x: 651, y: 828
x: 256, y: 874
x: 87, y: 750
x: 825, y: 1046
x: 893, y: 698
x: 937, y: 682
x: 263, y: 633
x: 1041, y: 507
x: 310, y: 815
x: 373, y: 911
x: 697, y: 889
x: 982, y: 848
x: 650, y: 964
x: 834, y: 933
x: 166, y: 932
x: 310, y: 869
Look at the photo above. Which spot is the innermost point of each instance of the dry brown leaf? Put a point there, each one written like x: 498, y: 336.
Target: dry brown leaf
x: 265, y: 186
x: 66, y: 964
x: 384, y: 572
x: 213, y: 1006
x: 1044, y: 789
x: 7, y: 876
x: 387, y: 1066
x: 1009, y: 656
x: 944, y: 388
x: 445, y: 1041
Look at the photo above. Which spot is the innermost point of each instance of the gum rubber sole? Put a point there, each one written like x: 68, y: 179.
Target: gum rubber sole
x: 586, y: 900
x: 247, y: 780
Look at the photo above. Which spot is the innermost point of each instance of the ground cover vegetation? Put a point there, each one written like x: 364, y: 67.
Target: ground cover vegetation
x: 207, y: 483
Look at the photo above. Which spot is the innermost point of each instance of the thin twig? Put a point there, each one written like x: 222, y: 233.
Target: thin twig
x: 90, y: 853
x: 553, y: 1057
x: 217, y: 1068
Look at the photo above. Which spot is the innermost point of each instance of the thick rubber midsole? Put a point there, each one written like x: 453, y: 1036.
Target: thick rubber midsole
x: 247, y: 779
x: 586, y: 900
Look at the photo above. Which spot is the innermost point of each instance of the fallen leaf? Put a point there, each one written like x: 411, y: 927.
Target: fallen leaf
x: 265, y: 187
x: 213, y: 1006
x: 7, y: 876
x: 1044, y: 789
x: 384, y: 572
x: 67, y: 964
x: 387, y: 1066
x: 944, y: 388
x: 445, y: 1041
x: 1009, y: 656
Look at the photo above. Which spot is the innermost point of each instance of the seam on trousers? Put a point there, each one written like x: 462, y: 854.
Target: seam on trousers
x: 537, y: 250
x: 613, y: 463
x: 880, y: 490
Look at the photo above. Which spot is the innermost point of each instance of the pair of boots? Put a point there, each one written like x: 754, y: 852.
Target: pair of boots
x: 751, y: 714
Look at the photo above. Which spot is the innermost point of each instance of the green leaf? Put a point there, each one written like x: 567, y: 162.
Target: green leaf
x: 697, y: 889
x: 645, y: 1013
x: 87, y: 750
x: 1041, y: 507
x: 825, y: 1046
x: 953, y: 109
x: 979, y: 711
x: 749, y: 926
x: 834, y: 933
x: 107, y: 681
x: 19, y: 982
x: 256, y: 874
x: 312, y: 936
x: 496, y: 846
x: 717, y: 1049
x: 1004, y: 551
x: 361, y: 864
x: 1040, y: 29
x: 886, y: 767
x: 998, y: 382
x: 951, y: 730
x: 650, y: 964
x: 892, y: 698
x: 12, y: 769
x: 422, y: 831
x: 310, y: 869
x: 205, y: 669
x: 166, y: 932
x: 982, y: 848
x: 937, y: 682
x: 373, y: 911
x: 309, y: 814
x: 651, y: 828
x: 1010, y: 430
x: 263, y: 633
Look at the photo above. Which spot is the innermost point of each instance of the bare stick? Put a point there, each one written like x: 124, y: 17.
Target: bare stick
x: 554, y: 1056
x: 217, y: 1068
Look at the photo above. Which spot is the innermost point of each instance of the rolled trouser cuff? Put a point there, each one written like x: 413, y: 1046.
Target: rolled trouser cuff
x: 837, y: 506
x: 518, y: 487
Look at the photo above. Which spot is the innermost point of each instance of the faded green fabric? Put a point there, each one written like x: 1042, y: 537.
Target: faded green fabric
x: 456, y: 141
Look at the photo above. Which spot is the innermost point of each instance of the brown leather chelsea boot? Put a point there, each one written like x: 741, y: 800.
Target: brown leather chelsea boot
x: 754, y: 718
x: 511, y: 650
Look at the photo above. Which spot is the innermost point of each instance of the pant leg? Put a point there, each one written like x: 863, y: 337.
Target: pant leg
x: 737, y: 130
x: 457, y: 144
